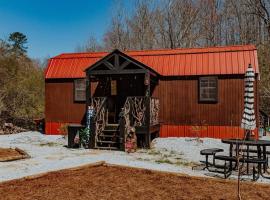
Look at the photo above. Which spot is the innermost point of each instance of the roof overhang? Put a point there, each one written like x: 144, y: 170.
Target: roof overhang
x: 118, y: 62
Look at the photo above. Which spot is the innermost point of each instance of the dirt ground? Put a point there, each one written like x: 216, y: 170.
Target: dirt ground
x: 9, y: 154
x: 113, y: 182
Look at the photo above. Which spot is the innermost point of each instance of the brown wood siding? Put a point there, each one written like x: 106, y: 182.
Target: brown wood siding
x: 179, y: 103
x: 59, y: 102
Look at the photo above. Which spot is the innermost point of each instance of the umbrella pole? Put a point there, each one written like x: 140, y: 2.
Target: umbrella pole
x: 247, y: 135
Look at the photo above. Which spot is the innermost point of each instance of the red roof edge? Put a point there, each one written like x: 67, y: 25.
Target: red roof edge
x: 148, y: 52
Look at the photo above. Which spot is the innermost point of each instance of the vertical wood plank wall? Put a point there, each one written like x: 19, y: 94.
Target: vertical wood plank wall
x: 181, y: 114
x: 60, y: 106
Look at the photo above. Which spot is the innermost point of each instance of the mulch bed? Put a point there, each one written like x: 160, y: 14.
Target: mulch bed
x: 8, y: 154
x: 115, y: 182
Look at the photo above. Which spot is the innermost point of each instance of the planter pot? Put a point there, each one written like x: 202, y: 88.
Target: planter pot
x: 72, y: 131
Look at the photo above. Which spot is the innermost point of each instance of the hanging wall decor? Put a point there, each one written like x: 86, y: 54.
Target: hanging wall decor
x: 113, y: 87
x: 147, y: 79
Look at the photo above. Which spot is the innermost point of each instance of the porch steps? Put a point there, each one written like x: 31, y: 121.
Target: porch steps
x: 110, y: 138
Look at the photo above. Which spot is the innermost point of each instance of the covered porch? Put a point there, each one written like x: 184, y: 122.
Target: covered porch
x: 120, y: 88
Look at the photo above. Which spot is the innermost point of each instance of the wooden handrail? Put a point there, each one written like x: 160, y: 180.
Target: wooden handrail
x: 104, y: 99
x: 100, y: 119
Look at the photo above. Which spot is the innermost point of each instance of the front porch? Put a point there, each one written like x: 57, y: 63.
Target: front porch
x: 119, y: 89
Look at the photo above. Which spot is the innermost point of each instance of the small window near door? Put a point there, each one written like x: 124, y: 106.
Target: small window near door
x: 79, y: 90
x: 208, y: 89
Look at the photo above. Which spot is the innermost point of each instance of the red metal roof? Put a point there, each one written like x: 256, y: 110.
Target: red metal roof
x: 166, y: 62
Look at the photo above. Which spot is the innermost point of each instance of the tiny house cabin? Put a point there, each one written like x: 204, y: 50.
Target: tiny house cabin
x: 197, y: 92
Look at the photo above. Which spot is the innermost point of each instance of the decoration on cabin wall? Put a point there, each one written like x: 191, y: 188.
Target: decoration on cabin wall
x: 89, y: 115
x: 147, y: 79
x: 154, y: 111
x: 83, y: 136
x: 113, y: 87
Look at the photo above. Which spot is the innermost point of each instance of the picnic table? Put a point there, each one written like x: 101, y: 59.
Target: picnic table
x: 260, y: 151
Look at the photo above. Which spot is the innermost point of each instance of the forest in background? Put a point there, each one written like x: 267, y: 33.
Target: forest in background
x: 155, y: 24
x: 150, y: 24
x: 22, y: 83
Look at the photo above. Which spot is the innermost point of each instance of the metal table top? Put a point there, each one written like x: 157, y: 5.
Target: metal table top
x: 247, y: 142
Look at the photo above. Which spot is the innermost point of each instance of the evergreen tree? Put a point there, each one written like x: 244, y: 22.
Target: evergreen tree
x: 18, y: 41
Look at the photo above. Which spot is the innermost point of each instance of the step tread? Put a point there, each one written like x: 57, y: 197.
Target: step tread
x: 108, y: 142
x: 112, y: 124
x: 107, y: 148
x: 109, y: 136
x: 111, y: 130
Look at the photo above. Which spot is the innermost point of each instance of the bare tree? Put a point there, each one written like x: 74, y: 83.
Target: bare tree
x: 117, y: 36
x: 176, y: 24
x: 260, y: 8
x: 93, y: 45
x: 211, y: 12
x: 142, y: 35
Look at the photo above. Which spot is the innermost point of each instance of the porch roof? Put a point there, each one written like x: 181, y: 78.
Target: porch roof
x: 166, y: 62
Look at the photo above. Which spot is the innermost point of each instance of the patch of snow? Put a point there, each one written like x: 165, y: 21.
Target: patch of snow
x: 49, y: 154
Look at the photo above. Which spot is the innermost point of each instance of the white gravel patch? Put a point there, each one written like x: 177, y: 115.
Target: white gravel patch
x: 190, y: 147
x: 49, y: 154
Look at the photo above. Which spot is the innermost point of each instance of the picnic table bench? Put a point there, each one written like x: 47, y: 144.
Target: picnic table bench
x: 207, y: 153
x: 253, y: 160
x: 257, y: 157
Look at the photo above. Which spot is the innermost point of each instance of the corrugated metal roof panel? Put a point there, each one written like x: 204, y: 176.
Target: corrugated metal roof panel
x: 166, y: 62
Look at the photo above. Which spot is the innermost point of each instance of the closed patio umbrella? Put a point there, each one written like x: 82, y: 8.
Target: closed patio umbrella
x: 249, y: 120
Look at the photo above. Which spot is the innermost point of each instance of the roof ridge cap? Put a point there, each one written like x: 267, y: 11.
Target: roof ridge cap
x: 165, y: 51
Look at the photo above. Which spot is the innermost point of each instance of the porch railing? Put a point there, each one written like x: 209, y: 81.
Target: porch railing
x: 140, y: 112
x: 154, y: 111
x: 100, y: 119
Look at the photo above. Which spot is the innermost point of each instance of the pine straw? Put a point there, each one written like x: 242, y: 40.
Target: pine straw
x: 103, y: 181
x: 8, y: 154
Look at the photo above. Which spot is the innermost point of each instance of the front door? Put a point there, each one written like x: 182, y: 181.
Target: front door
x: 121, y: 88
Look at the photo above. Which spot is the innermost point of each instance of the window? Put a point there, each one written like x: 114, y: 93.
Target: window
x: 79, y: 90
x: 208, y: 89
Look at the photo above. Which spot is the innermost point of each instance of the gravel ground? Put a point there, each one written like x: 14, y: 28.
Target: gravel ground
x: 49, y: 154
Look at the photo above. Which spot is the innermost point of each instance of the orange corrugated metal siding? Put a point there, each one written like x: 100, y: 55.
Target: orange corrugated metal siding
x: 220, y: 132
x: 173, y: 62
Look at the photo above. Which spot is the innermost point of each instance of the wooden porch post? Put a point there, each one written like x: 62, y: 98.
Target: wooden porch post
x: 88, y: 91
x: 147, y: 82
x: 88, y: 103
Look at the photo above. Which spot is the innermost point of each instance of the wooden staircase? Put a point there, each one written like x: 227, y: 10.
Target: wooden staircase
x: 110, y: 138
x: 141, y: 113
